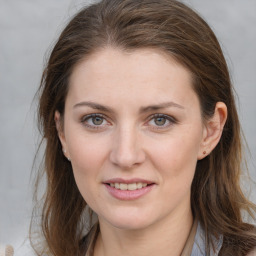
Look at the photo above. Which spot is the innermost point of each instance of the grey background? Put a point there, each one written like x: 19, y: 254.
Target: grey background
x: 28, y: 30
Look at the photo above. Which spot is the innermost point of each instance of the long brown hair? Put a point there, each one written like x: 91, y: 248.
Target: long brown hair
x: 168, y: 25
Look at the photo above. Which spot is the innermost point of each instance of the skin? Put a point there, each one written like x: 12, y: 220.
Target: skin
x: 128, y: 141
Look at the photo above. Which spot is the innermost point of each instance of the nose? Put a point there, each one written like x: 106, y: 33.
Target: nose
x: 127, y: 150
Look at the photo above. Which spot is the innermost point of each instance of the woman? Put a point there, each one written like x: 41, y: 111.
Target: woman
x: 138, y: 114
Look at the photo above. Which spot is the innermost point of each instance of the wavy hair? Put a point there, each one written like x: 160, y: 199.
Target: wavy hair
x: 216, y: 197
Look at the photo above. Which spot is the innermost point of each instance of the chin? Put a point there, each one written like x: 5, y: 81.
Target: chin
x: 129, y: 220
x: 129, y: 224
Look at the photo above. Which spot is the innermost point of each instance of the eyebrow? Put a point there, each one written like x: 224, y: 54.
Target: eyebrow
x: 93, y: 105
x: 160, y: 106
x: 100, y: 107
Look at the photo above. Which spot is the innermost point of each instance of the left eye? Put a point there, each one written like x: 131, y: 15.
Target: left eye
x: 97, y: 120
x: 161, y: 121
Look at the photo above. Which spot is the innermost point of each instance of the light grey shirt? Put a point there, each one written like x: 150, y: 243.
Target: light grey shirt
x: 199, y: 248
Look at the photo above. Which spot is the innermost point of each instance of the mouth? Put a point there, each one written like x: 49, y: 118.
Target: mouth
x: 128, y: 189
x: 129, y: 186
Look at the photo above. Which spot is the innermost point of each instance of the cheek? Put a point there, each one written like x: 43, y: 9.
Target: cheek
x: 86, y: 166
x: 86, y: 152
x: 176, y: 156
x: 87, y: 158
x: 176, y: 163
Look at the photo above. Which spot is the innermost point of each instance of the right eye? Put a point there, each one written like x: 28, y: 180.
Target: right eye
x: 94, y: 121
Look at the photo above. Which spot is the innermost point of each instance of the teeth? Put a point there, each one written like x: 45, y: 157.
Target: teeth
x: 123, y: 186
x: 139, y: 185
x: 131, y: 186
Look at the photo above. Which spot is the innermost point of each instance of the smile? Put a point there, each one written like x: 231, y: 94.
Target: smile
x: 128, y: 189
x: 131, y: 186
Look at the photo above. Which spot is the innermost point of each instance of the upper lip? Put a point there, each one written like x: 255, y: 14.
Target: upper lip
x: 128, y: 181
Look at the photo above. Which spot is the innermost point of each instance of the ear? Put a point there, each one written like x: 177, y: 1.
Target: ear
x: 212, y: 130
x: 61, y: 134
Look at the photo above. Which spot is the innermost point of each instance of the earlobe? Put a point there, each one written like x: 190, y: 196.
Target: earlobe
x: 213, y: 130
x: 61, y: 135
x: 57, y: 120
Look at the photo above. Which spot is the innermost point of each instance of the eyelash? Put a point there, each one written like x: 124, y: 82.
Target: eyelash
x: 168, y: 118
x: 85, y: 119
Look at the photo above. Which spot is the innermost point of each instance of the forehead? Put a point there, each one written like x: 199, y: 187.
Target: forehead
x: 144, y: 74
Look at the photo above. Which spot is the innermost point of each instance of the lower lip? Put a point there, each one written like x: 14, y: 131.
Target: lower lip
x: 129, y: 194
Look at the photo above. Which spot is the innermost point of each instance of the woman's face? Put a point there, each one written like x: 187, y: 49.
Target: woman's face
x: 133, y: 131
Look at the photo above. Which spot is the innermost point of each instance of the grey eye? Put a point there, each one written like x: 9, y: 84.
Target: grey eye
x: 160, y: 121
x: 97, y: 120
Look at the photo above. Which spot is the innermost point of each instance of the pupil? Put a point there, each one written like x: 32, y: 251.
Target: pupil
x: 160, y: 121
x: 97, y: 120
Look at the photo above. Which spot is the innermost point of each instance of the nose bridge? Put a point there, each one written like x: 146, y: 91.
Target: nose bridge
x: 126, y: 150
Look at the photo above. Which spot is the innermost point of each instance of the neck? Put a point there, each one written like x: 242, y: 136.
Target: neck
x: 166, y: 237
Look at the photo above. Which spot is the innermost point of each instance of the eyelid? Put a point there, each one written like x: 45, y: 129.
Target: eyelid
x: 87, y: 116
x: 94, y: 127
x: 169, y: 118
x: 172, y: 120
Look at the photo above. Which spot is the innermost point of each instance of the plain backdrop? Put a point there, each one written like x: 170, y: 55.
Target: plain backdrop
x: 28, y: 30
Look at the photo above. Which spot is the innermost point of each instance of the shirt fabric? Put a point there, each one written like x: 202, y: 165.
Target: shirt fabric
x: 195, y: 244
